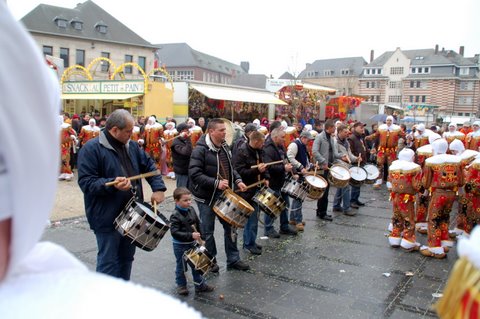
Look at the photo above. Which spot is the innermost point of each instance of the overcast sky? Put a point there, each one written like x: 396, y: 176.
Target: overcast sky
x: 278, y: 35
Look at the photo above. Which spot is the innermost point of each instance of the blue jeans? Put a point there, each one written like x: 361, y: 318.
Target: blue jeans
x: 182, y: 180
x: 251, y: 228
x: 296, y: 210
x: 179, y: 249
x: 342, y: 193
x: 355, y: 194
x: 283, y: 217
x: 115, y: 254
x: 207, y: 218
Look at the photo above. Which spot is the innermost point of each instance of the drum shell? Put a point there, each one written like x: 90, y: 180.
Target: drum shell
x: 357, y: 182
x: 269, y: 202
x: 369, y: 168
x: 336, y: 181
x: 297, y: 189
x: 201, y: 261
x: 233, y: 209
x: 142, y: 226
x: 315, y: 191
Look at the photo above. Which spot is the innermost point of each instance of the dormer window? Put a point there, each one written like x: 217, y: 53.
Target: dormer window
x: 77, y: 24
x: 101, y: 27
x: 61, y: 22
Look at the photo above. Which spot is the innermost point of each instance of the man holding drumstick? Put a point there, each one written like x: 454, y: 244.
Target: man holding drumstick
x: 111, y: 157
x: 211, y: 172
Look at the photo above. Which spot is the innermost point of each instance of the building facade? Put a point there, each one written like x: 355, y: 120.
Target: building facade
x: 85, y: 33
x: 184, y: 64
x: 342, y: 74
x: 443, y: 79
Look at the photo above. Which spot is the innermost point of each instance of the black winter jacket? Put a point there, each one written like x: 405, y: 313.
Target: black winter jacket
x: 181, y: 224
x: 358, y: 146
x: 204, y: 169
x: 244, y: 159
x: 98, y: 163
x: 272, y: 153
x: 181, y: 152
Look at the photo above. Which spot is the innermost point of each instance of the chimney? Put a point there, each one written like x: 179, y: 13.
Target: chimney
x: 245, y: 66
x: 462, y: 50
x: 436, y: 48
x: 371, y: 55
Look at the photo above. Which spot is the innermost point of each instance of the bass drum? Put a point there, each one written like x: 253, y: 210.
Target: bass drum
x: 234, y: 132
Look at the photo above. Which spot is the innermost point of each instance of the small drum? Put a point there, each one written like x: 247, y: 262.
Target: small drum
x: 316, y: 186
x: 138, y: 221
x: 269, y: 202
x: 372, y: 173
x: 199, y: 258
x: 359, y: 176
x: 233, y: 209
x: 338, y: 176
x: 296, y: 188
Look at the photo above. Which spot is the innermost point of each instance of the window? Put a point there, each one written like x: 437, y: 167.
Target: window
x: 47, y: 50
x: 128, y: 58
x: 142, y: 62
x: 417, y: 98
x: 80, y: 57
x: 379, y: 71
x: 421, y: 70
x: 410, y: 99
x: 186, y: 75
x: 414, y: 70
x: 105, y: 64
x: 465, y: 100
x: 374, y: 71
x: 101, y: 27
x: 463, y: 71
x: 467, y: 114
x: 415, y: 84
x: 426, y: 70
x: 466, y: 86
x: 77, y: 24
x: 61, y: 22
x: 65, y: 55
x: 394, y: 98
x: 395, y: 84
x: 396, y: 70
x: 371, y: 84
x: 460, y: 114
x: 424, y: 98
x: 328, y: 72
x: 367, y: 71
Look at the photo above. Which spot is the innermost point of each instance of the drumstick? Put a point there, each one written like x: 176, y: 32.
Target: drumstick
x: 267, y: 164
x: 200, y: 241
x: 132, y: 178
x: 155, y: 208
x: 171, y: 139
x: 255, y: 184
x: 315, y: 171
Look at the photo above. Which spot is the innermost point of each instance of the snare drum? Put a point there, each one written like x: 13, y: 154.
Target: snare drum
x: 372, y: 173
x: 338, y: 176
x: 359, y: 176
x: 269, y: 202
x: 295, y: 188
x: 316, y: 186
x: 139, y: 222
x: 199, y: 258
x: 233, y: 209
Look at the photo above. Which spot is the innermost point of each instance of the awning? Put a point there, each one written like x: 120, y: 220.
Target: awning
x: 236, y: 94
x: 116, y: 96
x: 311, y: 86
x: 395, y: 107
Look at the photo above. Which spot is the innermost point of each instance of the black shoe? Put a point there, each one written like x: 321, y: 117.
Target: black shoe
x: 354, y: 205
x: 239, y: 265
x: 272, y: 234
x: 359, y: 203
x: 326, y: 217
x: 204, y: 288
x: 259, y: 246
x: 254, y: 250
x: 215, y: 268
x: 336, y: 210
x: 288, y: 231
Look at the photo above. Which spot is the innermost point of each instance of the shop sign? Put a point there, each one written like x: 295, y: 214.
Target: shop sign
x: 103, y: 87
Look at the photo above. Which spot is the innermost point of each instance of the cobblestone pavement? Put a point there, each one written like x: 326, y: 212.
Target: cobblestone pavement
x: 339, y: 269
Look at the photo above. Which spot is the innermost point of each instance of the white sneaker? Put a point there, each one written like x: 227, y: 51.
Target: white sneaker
x: 61, y: 177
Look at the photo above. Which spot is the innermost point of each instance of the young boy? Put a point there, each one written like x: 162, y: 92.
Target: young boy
x: 184, y: 226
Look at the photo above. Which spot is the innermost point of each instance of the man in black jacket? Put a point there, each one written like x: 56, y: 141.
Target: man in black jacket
x: 211, y: 172
x: 181, y: 152
x: 274, y: 151
x: 112, y: 157
x: 248, y: 155
x: 359, y: 149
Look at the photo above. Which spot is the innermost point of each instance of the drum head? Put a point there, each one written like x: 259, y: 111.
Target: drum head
x: 358, y: 173
x: 316, y: 181
x: 147, y: 209
x: 340, y: 172
x: 372, y: 171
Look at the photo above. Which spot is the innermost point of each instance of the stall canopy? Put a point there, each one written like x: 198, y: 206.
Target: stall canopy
x: 113, y: 96
x: 236, y: 94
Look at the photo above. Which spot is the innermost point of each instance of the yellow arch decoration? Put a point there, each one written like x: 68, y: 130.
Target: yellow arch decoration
x: 138, y: 67
x: 77, y: 70
x: 94, y: 61
x: 164, y: 71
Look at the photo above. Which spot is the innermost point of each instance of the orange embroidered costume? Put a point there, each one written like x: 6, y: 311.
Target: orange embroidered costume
x: 68, y: 139
x: 153, y: 146
x: 405, y: 178
x: 88, y: 132
x: 443, y: 176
